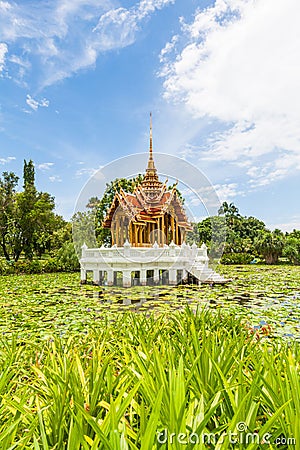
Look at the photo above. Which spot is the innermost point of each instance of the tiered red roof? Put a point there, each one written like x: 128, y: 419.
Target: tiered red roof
x: 150, y: 200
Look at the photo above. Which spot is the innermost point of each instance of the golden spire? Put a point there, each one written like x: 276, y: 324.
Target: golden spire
x: 150, y: 148
x: 151, y: 184
x: 151, y: 165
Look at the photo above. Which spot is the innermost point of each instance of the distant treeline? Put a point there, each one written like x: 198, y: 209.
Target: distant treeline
x: 33, y: 238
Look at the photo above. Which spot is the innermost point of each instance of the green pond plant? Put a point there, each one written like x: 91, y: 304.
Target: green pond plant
x: 189, y: 367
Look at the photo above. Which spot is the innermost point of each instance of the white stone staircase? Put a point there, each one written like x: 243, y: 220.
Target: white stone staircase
x: 206, y: 275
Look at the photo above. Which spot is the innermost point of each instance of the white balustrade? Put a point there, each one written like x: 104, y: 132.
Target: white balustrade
x: 140, y: 259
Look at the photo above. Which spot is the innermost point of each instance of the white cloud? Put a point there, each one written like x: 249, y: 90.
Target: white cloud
x: 7, y: 160
x: 35, y: 104
x: 23, y: 63
x: 168, y: 48
x: 61, y: 38
x: 45, y: 166
x: 86, y: 172
x: 117, y: 28
x: 227, y: 191
x: 55, y: 178
x: 293, y: 224
x: 237, y: 68
x: 3, y: 51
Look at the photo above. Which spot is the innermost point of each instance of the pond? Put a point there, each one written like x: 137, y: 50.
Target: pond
x: 268, y: 298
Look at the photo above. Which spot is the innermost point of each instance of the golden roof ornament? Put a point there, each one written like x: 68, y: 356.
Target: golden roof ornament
x: 151, y: 184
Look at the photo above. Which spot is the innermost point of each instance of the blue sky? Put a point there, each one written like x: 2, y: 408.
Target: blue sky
x: 222, y: 78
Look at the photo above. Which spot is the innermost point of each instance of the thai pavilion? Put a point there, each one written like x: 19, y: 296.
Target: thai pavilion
x: 148, y: 230
x: 152, y: 213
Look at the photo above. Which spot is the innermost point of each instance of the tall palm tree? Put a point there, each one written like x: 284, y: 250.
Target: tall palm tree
x: 270, y: 245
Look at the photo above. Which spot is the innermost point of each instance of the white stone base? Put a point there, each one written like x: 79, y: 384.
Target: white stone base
x: 143, y: 265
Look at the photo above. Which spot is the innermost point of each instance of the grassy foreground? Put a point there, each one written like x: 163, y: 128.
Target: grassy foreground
x: 117, y: 387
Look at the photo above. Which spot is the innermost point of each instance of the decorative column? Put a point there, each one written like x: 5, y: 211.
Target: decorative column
x: 126, y: 278
x: 151, y: 232
x: 179, y: 236
x: 173, y: 277
x: 82, y: 270
x: 140, y: 235
x: 143, y: 277
x: 112, y: 230
x: 148, y: 225
x: 83, y: 250
x: 172, y: 228
x: 156, y: 276
x: 117, y: 233
x: 176, y: 236
x: 120, y: 244
x: 110, y: 278
x: 82, y: 276
x: 96, y: 276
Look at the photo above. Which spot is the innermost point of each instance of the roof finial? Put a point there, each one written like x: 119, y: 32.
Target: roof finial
x: 151, y: 156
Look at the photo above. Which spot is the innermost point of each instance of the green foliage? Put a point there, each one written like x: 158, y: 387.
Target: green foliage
x: 67, y: 258
x: 241, y: 230
x: 30, y: 228
x: 65, y: 261
x: 61, y: 234
x: 6, y: 267
x: 8, y: 226
x: 83, y: 227
x: 27, y: 218
x: 28, y: 174
x: 51, y: 265
x: 28, y: 266
x: 292, y: 247
x: 270, y: 245
x: 229, y: 209
x: 212, y: 231
x: 236, y: 258
x: 238, y: 234
x: 133, y: 377
x: 31, y: 302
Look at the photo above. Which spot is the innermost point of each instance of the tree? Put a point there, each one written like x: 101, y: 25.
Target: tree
x: 27, y: 218
x: 238, y: 233
x: 67, y: 257
x: 46, y: 223
x: 250, y: 227
x: 270, y: 245
x: 83, y: 227
x: 61, y: 234
x: 228, y: 209
x: 8, y: 185
x: 35, y: 215
x: 292, y: 247
x: 28, y: 174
